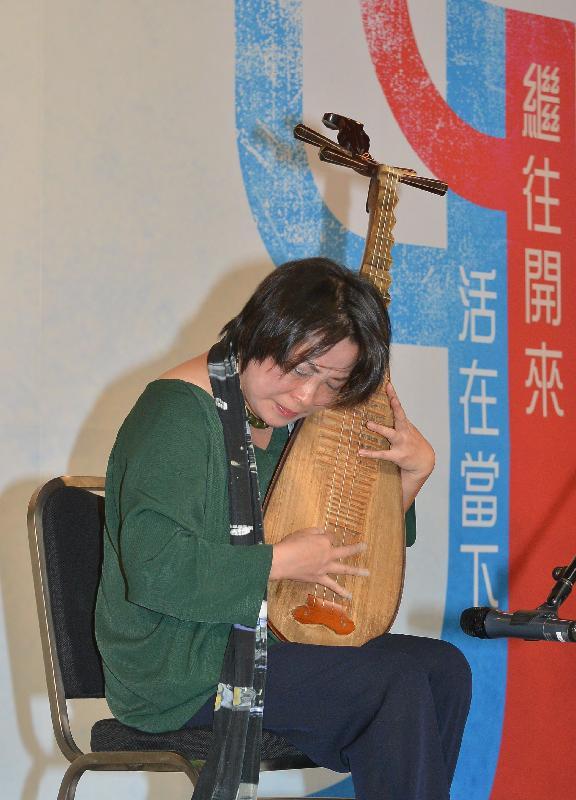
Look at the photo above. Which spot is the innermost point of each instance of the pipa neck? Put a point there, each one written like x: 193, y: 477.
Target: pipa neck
x: 377, y: 258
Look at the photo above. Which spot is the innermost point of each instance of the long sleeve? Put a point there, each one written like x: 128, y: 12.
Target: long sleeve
x: 174, y: 553
x: 184, y: 575
x: 410, y: 518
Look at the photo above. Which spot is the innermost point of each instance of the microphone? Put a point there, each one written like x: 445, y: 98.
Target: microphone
x: 535, y: 625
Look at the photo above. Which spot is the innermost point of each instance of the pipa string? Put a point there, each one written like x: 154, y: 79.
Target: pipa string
x: 384, y: 215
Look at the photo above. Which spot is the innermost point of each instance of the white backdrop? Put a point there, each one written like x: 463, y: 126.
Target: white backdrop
x: 127, y: 241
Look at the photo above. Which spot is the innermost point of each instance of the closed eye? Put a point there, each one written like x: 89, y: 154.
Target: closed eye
x: 306, y: 371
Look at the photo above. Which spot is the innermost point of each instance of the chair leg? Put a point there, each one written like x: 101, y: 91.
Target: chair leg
x: 70, y: 781
x: 79, y: 766
x: 121, y: 761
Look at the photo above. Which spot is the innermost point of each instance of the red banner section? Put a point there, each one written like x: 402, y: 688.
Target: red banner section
x: 541, y: 180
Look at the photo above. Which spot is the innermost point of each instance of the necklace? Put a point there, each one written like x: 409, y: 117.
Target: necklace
x: 253, y: 420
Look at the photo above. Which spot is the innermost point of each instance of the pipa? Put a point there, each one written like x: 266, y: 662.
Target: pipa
x: 321, y: 481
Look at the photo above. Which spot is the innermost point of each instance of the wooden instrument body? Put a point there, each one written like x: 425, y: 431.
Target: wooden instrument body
x: 360, y: 500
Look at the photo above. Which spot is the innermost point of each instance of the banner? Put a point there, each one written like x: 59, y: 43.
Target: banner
x: 499, y: 297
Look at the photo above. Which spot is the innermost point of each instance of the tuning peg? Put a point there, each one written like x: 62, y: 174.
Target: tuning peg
x: 310, y: 136
x: 427, y: 184
x: 334, y: 157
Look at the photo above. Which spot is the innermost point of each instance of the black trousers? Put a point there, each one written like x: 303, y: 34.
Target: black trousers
x: 391, y: 712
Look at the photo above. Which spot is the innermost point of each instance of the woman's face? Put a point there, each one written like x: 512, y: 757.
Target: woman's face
x: 279, y: 398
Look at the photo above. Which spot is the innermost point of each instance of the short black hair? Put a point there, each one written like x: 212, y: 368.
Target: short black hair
x: 302, y: 309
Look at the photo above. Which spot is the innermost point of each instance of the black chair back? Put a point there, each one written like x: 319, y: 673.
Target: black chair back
x: 72, y: 527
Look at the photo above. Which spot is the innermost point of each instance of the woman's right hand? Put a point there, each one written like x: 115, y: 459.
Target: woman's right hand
x: 308, y: 555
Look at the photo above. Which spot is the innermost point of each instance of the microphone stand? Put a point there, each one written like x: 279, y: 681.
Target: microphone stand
x: 565, y: 578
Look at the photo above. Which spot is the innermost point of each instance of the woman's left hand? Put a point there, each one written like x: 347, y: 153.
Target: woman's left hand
x: 408, y: 449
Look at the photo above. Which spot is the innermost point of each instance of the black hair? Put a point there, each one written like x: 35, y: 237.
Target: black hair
x: 304, y: 308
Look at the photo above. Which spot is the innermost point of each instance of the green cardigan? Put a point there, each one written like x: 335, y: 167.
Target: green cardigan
x: 171, y: 583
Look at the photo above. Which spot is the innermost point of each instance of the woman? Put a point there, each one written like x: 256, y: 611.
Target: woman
x: 392, y: 712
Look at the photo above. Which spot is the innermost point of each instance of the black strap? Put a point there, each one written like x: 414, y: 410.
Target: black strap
x: 232, y: 767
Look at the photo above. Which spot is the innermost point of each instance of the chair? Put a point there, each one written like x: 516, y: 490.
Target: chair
x: 65, y: 521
